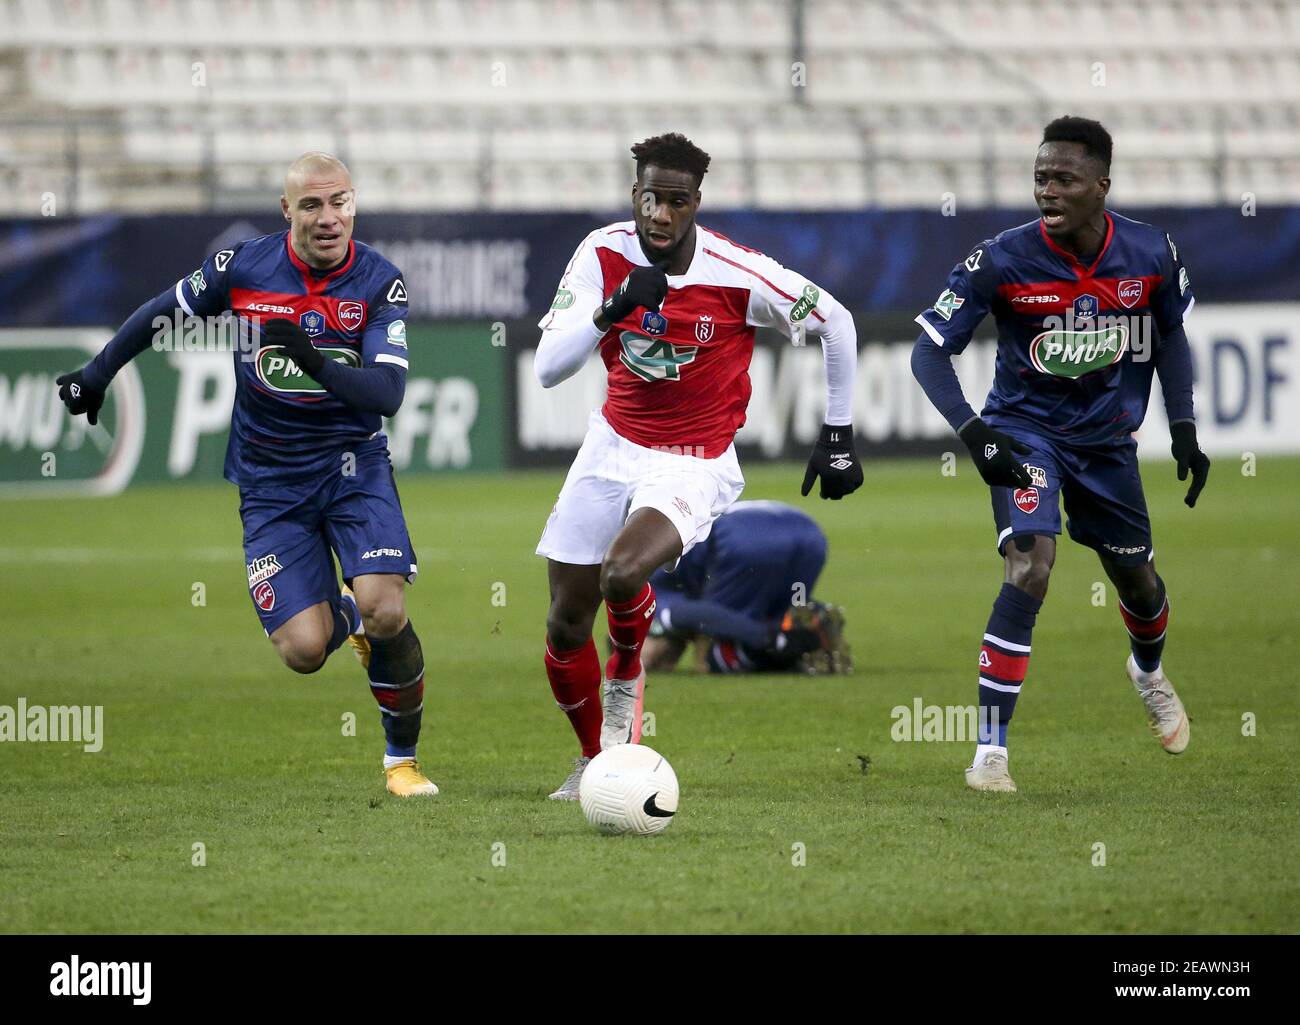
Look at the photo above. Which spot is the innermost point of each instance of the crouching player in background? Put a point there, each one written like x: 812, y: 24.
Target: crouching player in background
x: 745, y: 595
x: 306, y: 449
x: 672, y: 308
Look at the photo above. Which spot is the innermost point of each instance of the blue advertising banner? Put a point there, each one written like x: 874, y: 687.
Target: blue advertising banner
x: 94, y: 271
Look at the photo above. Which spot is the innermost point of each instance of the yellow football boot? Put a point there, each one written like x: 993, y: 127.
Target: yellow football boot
x: 406, y: 780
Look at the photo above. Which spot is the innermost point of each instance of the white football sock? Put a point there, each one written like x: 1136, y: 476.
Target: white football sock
x: 982, y: 751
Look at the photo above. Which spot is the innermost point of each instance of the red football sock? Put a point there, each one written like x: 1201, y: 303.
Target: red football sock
x: 629, y: 622
x: 575, y: 682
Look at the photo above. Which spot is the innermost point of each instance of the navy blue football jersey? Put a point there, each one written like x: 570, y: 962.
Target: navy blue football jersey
x: 1076, y: 342
x: 284, y: 425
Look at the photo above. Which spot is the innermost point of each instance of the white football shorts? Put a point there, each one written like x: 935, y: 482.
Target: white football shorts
x: 612, y: 477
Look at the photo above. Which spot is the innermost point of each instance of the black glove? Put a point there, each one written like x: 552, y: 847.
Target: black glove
x: 645, y: 286
x: 295, y: 342
x: 834, y: 460
x: 78, y: 397
x: 992, y: 451
x: 1189, y: 456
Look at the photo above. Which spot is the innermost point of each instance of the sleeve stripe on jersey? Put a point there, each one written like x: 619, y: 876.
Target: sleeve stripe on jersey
x: 741, y: 266
x: 386, y: 357
x: 180, y: 297
x: 934, y: 335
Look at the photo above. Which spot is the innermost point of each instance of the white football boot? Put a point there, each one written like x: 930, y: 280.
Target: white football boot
x: 624, y: 700
x: 990, y: 773
x: 569, y: 788
x: 1165, y: 712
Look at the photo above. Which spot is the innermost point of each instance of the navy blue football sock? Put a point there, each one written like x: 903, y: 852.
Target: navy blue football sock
x: 1004, y: 659
x: 1146, y: 625
x: 346, y: 619
x: 397, y: 682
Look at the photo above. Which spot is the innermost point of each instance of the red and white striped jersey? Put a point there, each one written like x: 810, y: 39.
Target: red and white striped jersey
x: 679, y: 378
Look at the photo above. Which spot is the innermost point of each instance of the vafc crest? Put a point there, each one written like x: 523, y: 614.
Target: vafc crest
x: 704, y: 328
x: 312, y: 322
x: 1130, y: 292
x: 351, y: 314
x: 1085, y: 307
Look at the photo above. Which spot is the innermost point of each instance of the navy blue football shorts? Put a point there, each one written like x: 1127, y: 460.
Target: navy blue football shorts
x: 1101, y: 488
x: 292, y: 532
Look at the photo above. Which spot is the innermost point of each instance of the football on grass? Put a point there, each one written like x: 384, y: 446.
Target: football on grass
x: 629, y: 789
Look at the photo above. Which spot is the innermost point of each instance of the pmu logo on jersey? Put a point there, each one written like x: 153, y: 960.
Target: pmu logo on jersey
x: 351, y: 314
x: 1085, y: 307
x: 806, y: 303
x: 1063, y: 353
x: 1130, y: 292
x: 653, y: 323
x: 654, y: 359
x: 1026, y: 499
x: 264, y: 596
x: 312, y: 322
x: 281, y: 374
x: 704, y: 328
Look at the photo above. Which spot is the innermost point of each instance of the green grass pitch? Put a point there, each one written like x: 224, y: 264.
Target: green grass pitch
x: 208, y: 739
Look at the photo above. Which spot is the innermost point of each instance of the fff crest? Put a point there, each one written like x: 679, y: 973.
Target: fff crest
x: 654, y: 323
x: 1085, y: 307
x: 312, y: 322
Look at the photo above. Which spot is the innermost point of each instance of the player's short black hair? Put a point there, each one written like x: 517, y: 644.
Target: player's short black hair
x: 1088, y: 133
x: 674, y: 152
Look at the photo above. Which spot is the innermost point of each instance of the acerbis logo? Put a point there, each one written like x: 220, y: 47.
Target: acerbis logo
x: 973, y: 261
x: 1035, y: 298
x: 379, y: 553
x: 397, y: 292
x: 267, y: 308
x: 222, y: 259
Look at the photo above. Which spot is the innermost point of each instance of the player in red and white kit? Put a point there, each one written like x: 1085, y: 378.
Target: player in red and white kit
x: 672, y: 308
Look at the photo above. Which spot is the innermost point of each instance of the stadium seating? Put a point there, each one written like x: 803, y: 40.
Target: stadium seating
x: 527, y: 104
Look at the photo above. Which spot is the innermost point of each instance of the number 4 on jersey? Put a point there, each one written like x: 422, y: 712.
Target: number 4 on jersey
x: 654, y: 359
